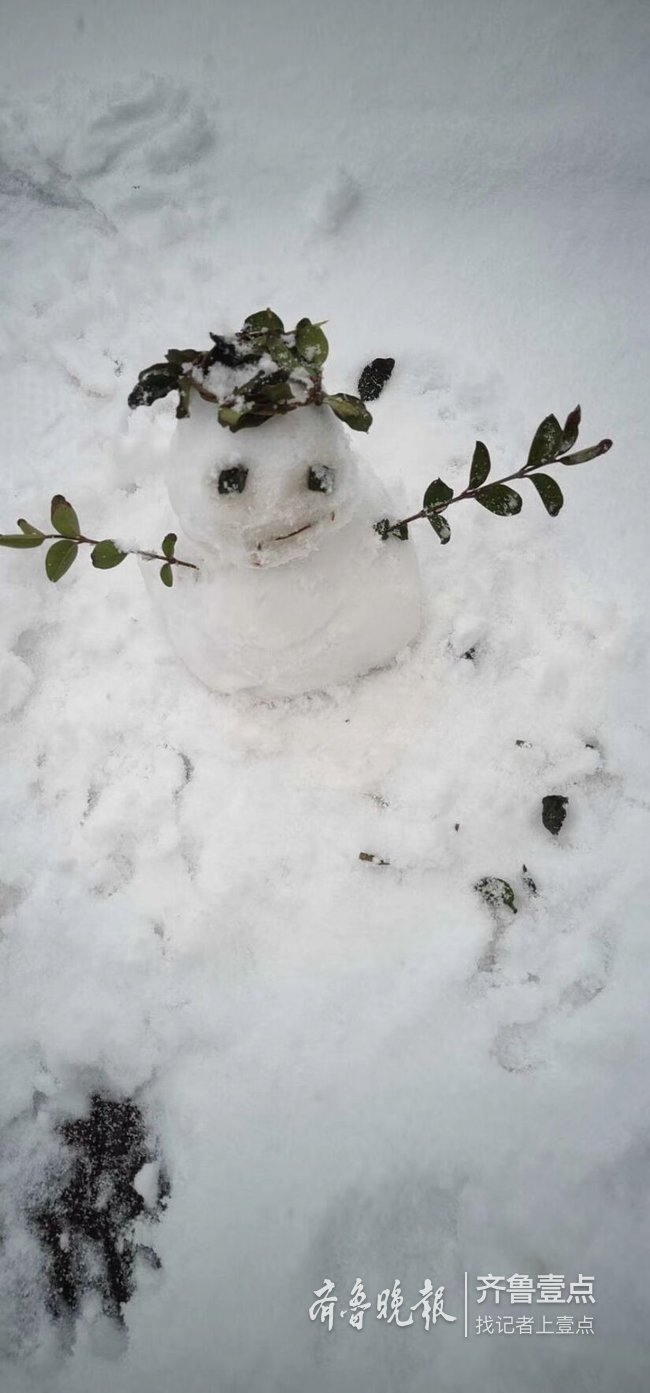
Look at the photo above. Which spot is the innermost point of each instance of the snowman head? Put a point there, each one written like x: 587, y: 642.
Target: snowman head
x: 261, y: 497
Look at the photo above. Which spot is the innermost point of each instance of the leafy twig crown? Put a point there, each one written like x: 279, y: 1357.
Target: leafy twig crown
x: 262, y: 371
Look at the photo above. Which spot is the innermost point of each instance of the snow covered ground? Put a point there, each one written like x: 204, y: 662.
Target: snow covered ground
x: 353, y: 1070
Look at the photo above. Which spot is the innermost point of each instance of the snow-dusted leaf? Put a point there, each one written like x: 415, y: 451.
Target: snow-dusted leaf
x: 311, y: 343
x: 29, y: 529
x: 549, y: 491
x: 229, y: 352
x: 260, y: 384
x: 440, y: 526
x: 264, y: 322
x: 570, y: 431
x: 546, y: 443
x: 59, y: 559
x: 386, y: 528
x: 480, y: 465
x: 374, y: 377
x: 167, y: 575
x: 496, y: 892
x: 154, y: 383
x: 437, y: 492
x: 581, y: 456
x: 105, y: 555
x: 500, y: 499
x: 350, y: 409
x: 237, y: 419
x: 64, y: 518
x: 279, y: 350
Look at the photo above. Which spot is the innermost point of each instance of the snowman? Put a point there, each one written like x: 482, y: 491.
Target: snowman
x: 294, y: 588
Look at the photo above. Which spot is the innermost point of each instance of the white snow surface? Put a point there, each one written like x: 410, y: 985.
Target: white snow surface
x: 354, y: 1069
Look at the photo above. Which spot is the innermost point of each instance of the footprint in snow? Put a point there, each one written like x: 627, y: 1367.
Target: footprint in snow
x: 144, y: 134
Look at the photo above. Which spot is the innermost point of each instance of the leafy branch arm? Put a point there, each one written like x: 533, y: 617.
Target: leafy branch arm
x: 550, y: 445
x: 68, y: 537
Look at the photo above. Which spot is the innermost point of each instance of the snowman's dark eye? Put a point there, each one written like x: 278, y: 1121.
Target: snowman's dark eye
x: 320, y: 479
x: 233, y: 480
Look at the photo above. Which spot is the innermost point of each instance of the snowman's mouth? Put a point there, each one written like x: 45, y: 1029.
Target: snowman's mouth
x: 271, y: 545
x: 296, y: 533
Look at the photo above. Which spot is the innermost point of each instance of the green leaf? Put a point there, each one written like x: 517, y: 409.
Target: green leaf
x: 386, y: 529
x: 60, y: 558
x: 183, y: 355
x: 64, y: 518
x: 480, y: 465
x: 168, y: 370
x: 280, y: 352
x: 549, y: 492
x: 20, y: 541
x: 184, y: 395
x: 229, y: 416
x: 546, y: 443
x: 571, y: 428
x: 311, y: 343
x: 154, y: 383
x: 437, y: 492
x: 252, y: 418
x: 264, y: 322
x: 169, y: 543
x: 496, y: 892
x: 499, y: 499
x: 167, y: 574
x: 350, y: 410
x: 105, y: 555
x: 583, y: 455
x: 274, y: 392
x: 251, y: 413
x: 440, y: 525
x: 256, y: 389
x: 29, y: 529
x: 554, y: 812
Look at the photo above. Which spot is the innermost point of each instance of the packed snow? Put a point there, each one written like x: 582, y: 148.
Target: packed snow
x: 294, y: 590
x: 258, y: 917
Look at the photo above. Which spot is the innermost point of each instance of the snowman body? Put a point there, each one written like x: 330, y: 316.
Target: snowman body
x: 295, y: 591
